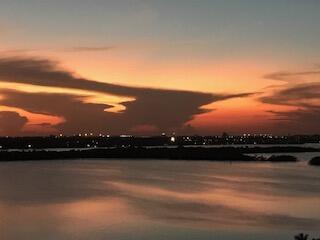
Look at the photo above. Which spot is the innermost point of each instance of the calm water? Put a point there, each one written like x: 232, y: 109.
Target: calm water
x: 167, y: 200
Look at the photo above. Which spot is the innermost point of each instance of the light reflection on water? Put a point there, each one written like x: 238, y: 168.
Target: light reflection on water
x: 157, y: 200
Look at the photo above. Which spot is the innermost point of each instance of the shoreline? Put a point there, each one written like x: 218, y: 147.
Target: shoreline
x: 233, y: 154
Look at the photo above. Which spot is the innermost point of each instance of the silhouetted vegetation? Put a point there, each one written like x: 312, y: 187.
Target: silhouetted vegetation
x: 302, y: 236
x: 315, y: 161
x: 278, y: 149
x: 177, y: 153
x: 282, y: 158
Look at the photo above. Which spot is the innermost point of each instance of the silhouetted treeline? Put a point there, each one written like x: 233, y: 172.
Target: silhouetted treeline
x: 178, y: 153
x: 279, y: 149
x: 131, y: 153
x: 282, y: 158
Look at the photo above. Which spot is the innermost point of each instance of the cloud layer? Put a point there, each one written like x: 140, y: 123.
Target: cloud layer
x: 159, y: 109
x: 301, y: 92
x: 11, y: 123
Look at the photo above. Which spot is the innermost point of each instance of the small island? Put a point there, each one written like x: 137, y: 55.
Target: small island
x: 282, y: 158
x: 315, y: 161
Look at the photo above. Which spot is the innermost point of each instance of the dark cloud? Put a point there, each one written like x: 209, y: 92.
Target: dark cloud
x: 11, y: 123
x: 78, y: 116
x: 162, y: 109
x: 91, y: 117
x: 302, y: 120
x: 43, y: 72
x: 302, y: 91
x: 295, y: 95
x: 301, y: 88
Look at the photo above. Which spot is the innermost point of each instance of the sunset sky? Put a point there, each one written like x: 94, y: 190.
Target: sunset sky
x: 145, y: 67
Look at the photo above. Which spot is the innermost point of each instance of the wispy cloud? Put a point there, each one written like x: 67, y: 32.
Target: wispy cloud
x: 17, y: 51
x: 294, y: 77
x: 301, y: 91
x: 90, y: 49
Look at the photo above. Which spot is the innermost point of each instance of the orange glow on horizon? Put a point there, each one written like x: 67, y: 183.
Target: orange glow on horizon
x: 237, y: 115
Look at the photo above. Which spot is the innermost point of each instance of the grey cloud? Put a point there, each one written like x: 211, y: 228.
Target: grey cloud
x: 301, y: 91
x: 294, y: 95
x: 43, y: 72
x: 300, y: 86
x: 11, y: 123
x: 78, y: 116
x: 302, y: 120
x: 164, y: 109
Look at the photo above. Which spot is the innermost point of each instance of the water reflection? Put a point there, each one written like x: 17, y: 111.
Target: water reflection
x: 157, y: 200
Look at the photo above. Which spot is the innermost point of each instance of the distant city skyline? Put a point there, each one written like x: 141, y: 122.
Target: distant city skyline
x: 144, y: 67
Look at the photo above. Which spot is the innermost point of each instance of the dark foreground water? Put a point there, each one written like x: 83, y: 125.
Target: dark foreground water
x: 167, y: 200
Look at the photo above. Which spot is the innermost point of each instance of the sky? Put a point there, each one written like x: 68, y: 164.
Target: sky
x: 144, y: 67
